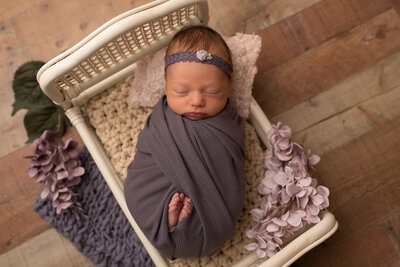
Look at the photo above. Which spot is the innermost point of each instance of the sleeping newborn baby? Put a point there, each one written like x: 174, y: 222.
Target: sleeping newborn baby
x: 185, y: 187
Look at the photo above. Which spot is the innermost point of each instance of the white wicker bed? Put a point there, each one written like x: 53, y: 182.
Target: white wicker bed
x: 107, y: 56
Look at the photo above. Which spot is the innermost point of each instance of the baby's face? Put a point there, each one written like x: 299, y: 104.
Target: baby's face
x: 196, y: 90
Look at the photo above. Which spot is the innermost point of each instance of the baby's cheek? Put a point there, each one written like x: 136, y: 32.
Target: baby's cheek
x: 177, y: 104
x: 218, y: 105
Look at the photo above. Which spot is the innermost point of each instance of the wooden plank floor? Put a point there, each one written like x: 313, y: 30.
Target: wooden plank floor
x: 328, y: 68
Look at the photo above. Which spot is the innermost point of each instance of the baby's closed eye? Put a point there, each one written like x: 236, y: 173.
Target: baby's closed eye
x: 181, y: 91
x: 212, y: 91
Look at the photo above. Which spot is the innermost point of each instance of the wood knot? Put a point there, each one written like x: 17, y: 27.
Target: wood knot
x: 380, y: 33
x: 83, y: 25
x: 59, y: 43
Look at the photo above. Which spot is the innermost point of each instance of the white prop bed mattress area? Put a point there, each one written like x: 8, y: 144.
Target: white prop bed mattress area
x: 91, y: 82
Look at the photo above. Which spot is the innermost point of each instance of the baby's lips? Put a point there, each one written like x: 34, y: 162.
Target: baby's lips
x: 196, y: 114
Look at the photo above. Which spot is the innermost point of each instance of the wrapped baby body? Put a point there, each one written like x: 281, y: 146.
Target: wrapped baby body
x: 204, y: 160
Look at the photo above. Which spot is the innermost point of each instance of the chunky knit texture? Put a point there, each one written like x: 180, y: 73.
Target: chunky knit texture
x: 118, y: 126
x: 104, y: 234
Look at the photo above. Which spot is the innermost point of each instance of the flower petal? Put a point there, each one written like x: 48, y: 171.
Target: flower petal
x: 280, y: 178
x: 279, y: 222
x: 323, y: 190
x: 317, y: 200
x: 301, y: 193
x: 303, y: 202
x: 74, y: 182
x: 42, y: 177
x: 261, y: 253
x: 47, y: 167
x: 292, y: 189
x: 283, y: 143
x: 44, y: 193
x: 79, y: 171
x: 285, y: 197
x: 272, y: 227
x: 313, y: 219
x: 294, y: 219
x: 251, y: 233
x: 63, y: 190
x: 44, y: 160
x: 312, y: 209
x: 261, y: 242
x: 53, y: 186
x: 305, y: 181
x: 283, y: 155
x: 251, y: 246
x: 278, y: 240
x: 32, y: 172
x: 271, y: 245
x: 65, y: 205
x: 272, y: 162
x: 60, y: 167
x: 61, y: 175
x: 313, y: 159
x: 270, y: 253
x: 65, y: 197
x: 285, y: 216
x: 285, y: 131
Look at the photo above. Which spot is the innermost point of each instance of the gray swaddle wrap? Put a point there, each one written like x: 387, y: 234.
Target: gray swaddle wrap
x: 203, y: 159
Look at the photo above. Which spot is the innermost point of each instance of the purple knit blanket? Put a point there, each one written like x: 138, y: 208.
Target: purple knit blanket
x: 104, y: 235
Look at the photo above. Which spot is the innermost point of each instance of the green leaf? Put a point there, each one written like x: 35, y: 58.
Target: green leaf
x: 42, y: 118
x: 27, y: 92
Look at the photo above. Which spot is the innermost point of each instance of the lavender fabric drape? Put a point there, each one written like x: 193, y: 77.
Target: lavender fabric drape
x: 204, y: 159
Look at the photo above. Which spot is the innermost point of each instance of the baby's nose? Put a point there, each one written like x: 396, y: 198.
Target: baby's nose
x: 197, y: 99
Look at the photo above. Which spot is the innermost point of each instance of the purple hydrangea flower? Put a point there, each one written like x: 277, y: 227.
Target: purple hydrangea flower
x: 293, y: 197
x: 58, y: 168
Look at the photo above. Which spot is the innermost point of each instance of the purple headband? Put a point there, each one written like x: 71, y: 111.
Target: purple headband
x: 200, y: 56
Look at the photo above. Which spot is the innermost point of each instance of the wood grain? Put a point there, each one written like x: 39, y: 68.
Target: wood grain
x: 18, y: 193
x: 393, y: 231
x: 40, y: 30
x: 250, y: 16
x: 10, y: 9
x: 368, y: 248
x: 318, y: 69
x: 46, y: 249
x: 396, y: 5
x: 329, y: 69
x: 274, y: 12
x: 362, y: 176
x: 347, y: 126
x: 313, y: 26
x: 17, y: 196
x: 353, y: 90
x: 12, y: 128
x: 364, y: 191
x: 227, y: 18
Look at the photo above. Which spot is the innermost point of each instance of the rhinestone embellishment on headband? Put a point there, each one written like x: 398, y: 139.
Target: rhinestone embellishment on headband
x: 203, y: 55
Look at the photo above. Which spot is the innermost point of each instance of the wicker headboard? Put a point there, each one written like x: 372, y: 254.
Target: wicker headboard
x: 107, y: 54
